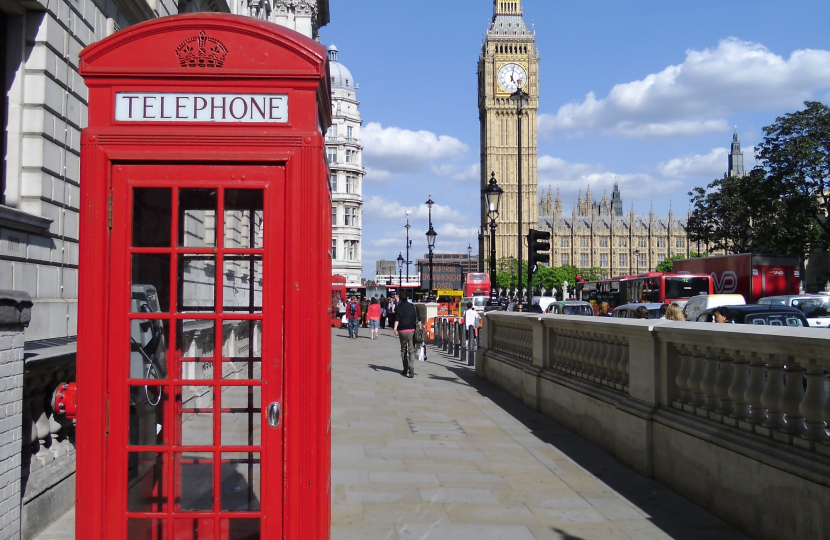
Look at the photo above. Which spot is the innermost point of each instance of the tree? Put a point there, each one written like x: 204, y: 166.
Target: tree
x: 546, y: 277
x: 782, y: 205
x: 667, y: 266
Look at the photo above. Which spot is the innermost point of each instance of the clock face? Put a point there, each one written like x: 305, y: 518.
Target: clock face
x: 511, y: 77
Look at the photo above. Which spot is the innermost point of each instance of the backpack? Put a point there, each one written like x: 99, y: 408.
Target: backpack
x: 352, y: 308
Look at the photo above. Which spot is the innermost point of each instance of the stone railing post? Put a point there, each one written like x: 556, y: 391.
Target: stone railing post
x: 15, y: 314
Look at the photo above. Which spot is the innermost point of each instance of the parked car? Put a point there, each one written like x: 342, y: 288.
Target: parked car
x: 626, y: 311
x: 698, y: 304
x: 763, y: 315
x: 479, y: 302
x: 571, y: 307
x: 816, y: 308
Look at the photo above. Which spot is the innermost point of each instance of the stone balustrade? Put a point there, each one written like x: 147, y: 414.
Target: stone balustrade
x: 733, y: 417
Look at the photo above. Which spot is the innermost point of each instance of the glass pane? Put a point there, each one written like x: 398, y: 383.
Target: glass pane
x: 197, y: 280
x: 243, y: 289
x: 243, y: 218
x: 197, y: 217
x: 195, y: 338
x: 152, y: 211
x: 240, y: 481
x: 251, y: 370
x: 242, y: 339
x: 197, y: 415
x: 240, y: 529
x: 147, y: 405
x: 196, y: 481
x: 148, y: 349
x: 198, y: 370
x: 147, y: 529
x: 193, y: 529
x: 145, y: 482
x: 150, y: 283
x: 241, y: 418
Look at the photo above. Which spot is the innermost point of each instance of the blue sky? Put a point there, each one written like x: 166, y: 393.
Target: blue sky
x: 643, y: 92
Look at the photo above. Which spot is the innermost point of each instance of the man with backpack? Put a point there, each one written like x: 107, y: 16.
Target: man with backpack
x: 406, y: 321
x: 353, y: 314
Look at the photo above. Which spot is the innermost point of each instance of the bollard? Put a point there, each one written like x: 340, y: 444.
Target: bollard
x: 456, y: 353
x: 446, y: 345
x: 450, y: 342
x: 464, y: 341
x: 473, y: 346
x: 436, y: 328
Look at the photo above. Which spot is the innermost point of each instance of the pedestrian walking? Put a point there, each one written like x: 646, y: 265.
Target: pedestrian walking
x: 353, y: 314
x: 390, y: 309
x: 373, y: 316
x: 383, y: 302
x: 364, y: 304
x: 406, y: 321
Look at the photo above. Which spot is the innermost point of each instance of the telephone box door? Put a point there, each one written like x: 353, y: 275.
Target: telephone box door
x: 195, y: 365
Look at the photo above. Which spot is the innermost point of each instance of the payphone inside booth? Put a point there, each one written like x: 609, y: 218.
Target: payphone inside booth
x: 203, y: 411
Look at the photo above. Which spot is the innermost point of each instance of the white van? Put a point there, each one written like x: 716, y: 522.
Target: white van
x: 698, y: 304
x: 543, y: 301
x: 478, y: 302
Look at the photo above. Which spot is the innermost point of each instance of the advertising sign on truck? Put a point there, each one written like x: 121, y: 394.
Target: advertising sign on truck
x: 751, y: 275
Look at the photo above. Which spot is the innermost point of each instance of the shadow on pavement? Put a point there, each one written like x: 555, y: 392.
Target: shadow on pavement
x: 675, y: 515
x: 384, y: 368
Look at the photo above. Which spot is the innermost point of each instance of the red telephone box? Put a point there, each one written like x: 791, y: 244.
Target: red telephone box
x: 203, y: 340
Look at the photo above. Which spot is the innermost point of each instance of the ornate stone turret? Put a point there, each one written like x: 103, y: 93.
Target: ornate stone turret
x: 736, y: 157
x: 616, y: 201
x: 558, y: 205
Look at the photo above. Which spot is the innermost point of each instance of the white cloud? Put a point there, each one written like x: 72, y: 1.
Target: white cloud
x: 471, y: 173
x: 571, y: 178
x: 389, y: 152
x: 709, y: 165
x: 377, y: 207
x: 696, y: 96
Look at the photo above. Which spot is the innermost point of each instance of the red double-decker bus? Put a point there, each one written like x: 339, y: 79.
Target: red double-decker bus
x: 650, y: 287
x: 477, y: 284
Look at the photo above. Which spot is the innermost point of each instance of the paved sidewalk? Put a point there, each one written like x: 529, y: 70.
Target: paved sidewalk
x: 446, y: 456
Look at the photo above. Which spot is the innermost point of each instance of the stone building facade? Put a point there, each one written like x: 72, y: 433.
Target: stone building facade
x: 344, y: 154
x: 508, y: 57
x: 598, y: 234
x: 43, y: 110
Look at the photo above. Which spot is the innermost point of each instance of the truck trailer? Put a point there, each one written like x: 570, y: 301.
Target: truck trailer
x: 752, y: 275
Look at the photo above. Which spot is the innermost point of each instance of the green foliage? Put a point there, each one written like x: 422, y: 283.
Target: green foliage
x: 780, y: 206
x: 667, y: 265
x: 545, y: 276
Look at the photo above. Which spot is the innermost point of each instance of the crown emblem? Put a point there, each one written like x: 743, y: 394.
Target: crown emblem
x: 201, y: 51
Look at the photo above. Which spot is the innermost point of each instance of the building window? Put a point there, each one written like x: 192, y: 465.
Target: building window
x: 354, y: 217
x: 350, y: 218
x: 333, y: 183
x: 583, y: 242
x: 583, y: 260
x: 350, y: 132
x: 661, y: 243
x: 334, y: 215
x: 351, y: 250
x: 623, y: 242
x: 566, y: 260
x: 352, y: 184
x: 623, y: 260
x: 333, y: 130
x: 334, y: 249
x: 661, y: 257
x: 331, y: 155
x: 641, y: 242
x: 565, y: 243
x: 681, y: 243
x: 641, y: 260
x: 349, y: 156
x: 603, y: 242
x: 603, y: 260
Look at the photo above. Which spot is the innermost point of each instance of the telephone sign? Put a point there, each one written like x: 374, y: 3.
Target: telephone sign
x: 203, y: 412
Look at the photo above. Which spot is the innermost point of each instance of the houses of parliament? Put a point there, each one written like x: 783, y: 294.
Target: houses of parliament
x: 600, y: 234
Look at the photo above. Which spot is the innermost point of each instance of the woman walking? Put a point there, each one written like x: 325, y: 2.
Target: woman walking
x: 373, y: 317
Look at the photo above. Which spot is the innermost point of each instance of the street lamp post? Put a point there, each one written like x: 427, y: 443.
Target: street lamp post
x: 492, y: 194
x: 469, y: 258
x: 431, y: 234
x: 481, y: 249
x: 408, y: 245
x: 520, y: 98
x: 400, y: 270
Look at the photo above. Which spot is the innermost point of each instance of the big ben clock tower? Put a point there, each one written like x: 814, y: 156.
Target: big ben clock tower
x: 509, y: 59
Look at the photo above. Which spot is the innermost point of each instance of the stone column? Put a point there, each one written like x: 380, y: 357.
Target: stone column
x: 15, y: 314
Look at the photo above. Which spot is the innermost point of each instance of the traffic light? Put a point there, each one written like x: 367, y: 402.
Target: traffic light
x: 539, y: 248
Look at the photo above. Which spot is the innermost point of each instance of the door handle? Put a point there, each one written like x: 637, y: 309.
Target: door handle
x: 274, y: 414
